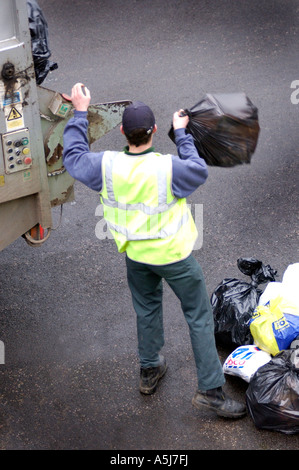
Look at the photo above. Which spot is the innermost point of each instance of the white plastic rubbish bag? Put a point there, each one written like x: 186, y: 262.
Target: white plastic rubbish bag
x: 288, y: 288
x: 244, y: 361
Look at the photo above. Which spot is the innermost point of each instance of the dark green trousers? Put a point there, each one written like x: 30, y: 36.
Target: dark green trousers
x: 187, y: 281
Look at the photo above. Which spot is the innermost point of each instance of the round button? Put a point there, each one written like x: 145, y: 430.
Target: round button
x: 17, y: 143
x: 26, y: 150
x: 27, y: 160
x: 25, y: 141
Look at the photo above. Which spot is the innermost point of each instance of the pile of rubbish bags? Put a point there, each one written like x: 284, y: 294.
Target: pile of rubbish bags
x: 262, y: 329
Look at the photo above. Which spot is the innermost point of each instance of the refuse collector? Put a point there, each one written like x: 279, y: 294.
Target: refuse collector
x: 143, y: 194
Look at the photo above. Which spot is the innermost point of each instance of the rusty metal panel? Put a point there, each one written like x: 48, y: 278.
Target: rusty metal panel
x: 55, y: 112
x: 104, y: 117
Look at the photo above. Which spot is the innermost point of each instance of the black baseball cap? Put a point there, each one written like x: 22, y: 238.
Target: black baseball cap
x: 138, y: 116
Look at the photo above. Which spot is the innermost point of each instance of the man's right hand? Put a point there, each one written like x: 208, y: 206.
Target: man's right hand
x: 180, y: 119
x: 79, y: 98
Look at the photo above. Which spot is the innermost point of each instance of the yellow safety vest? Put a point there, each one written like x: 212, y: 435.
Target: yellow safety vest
x: 145, y: 219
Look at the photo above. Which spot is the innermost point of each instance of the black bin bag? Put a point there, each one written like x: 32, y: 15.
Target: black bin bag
x: 272, y: 396
x: 224, y: 127
x: 234, y: 301
x: 39, y: 42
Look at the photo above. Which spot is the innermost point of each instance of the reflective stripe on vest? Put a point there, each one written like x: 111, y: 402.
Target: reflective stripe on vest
x: 171, y: 230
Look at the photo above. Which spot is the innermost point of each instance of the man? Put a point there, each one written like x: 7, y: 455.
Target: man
x: 143, y: 194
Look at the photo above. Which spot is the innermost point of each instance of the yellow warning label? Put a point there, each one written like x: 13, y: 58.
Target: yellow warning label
x: 14, y: 117
x: 14, y: 114
x: 2, y: 180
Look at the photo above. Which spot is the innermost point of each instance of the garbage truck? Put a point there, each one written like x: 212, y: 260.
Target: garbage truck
x: 33, y: 179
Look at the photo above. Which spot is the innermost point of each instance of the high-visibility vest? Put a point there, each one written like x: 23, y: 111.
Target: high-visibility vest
x: 147, y: 222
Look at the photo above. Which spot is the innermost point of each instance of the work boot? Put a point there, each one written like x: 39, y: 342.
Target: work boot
x: 216, y: 400
x: 150, y: 376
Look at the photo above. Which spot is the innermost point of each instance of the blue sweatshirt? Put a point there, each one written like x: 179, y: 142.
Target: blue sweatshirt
x: 189, y: 170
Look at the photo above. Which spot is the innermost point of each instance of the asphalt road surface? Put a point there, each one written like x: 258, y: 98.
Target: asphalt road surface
x: 70, y: 378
